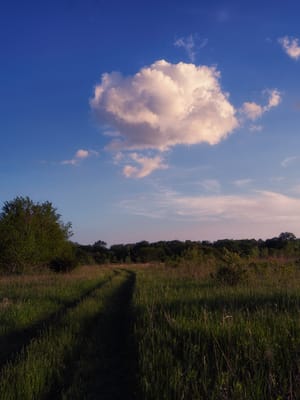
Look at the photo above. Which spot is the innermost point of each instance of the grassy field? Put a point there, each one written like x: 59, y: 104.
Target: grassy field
x: 150, y: 332
x: 198, y: 339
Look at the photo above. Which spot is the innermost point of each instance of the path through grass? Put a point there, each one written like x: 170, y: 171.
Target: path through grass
x: 29, y: 304
x: 107, y: 365
x: 53, y: 364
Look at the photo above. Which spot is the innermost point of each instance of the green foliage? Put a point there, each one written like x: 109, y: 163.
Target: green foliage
x: 190, y: 253
x: 92, y: 254
x: 31, y: 235
x: 232, y: 272
x: 228, y: 275
x: 83, y: 257
x: 64, y: 263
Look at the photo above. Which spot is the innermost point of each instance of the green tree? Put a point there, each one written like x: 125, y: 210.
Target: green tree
x: 100, y: 244
x: 31, y: 234
x: 287, y: 236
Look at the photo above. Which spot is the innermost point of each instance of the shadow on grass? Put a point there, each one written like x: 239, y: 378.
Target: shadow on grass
x: 106, y: 363
x: 12, y: 343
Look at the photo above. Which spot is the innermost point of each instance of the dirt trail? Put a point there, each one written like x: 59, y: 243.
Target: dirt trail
x: 106, y: 367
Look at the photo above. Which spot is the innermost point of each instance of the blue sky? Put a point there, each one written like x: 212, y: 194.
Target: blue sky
x: 153, y: 120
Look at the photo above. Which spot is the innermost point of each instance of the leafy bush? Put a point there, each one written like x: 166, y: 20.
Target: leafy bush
x: 232, y: 272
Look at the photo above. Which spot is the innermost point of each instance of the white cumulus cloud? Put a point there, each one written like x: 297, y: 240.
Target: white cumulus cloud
x: 144, y: 166
x: 290, y: 46
x: 164, y: 105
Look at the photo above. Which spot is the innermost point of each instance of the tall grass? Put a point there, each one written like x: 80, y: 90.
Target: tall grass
x: 201, y: 340
x: 195, y: 336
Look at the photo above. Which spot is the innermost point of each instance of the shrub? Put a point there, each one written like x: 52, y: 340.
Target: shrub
x: 64, y: 263
x: 230, y: 275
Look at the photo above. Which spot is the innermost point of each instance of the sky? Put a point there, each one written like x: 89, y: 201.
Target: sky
x: 155, y: 120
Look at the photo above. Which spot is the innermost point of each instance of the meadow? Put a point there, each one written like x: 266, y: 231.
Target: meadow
x: 199, y: 339
x: 151, y: 332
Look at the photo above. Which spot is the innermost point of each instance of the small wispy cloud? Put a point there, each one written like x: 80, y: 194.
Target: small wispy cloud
x: 191, y: 44
x: 290, y: 46
x: 144, y: 166
x: 277, y: 179
x: 118, y: 157
x: 211, y: 185
x: 288, y: 161
x: 255, y: 128
x: 274, y: 99
x: 253, y: 111
x: 258, y: 207
x: 111, y: 133
x: 242, y: 182
x: 80, y: 155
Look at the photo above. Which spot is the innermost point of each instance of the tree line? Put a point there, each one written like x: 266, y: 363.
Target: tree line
x: 285, y: 245
x: 33, y: 236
